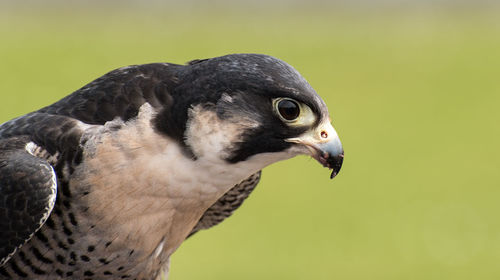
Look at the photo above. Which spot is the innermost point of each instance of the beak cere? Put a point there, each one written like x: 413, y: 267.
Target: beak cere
x: 324, y: 145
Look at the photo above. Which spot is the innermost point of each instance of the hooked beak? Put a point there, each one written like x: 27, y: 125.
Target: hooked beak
x: 324, y: 145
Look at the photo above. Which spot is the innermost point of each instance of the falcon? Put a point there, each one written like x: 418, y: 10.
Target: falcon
x: 109, y: 181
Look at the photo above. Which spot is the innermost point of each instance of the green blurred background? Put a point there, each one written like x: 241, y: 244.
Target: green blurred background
x: 413, y: 89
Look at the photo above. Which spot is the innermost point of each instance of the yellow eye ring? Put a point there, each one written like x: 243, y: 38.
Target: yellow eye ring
x: 292, y: 112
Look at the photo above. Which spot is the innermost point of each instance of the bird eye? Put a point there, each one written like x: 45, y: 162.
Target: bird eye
x: 293, y: 113
x: 288, y: 109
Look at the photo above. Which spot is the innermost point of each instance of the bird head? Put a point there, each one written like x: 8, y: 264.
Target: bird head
x: 242, y: 106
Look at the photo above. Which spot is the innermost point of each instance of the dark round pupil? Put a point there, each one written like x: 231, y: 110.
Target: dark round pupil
x: 288, y: 109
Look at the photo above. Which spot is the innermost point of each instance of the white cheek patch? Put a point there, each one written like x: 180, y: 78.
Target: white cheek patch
x: 209, y: 136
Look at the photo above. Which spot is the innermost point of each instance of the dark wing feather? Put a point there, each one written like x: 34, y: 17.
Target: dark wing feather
x: 28, y: 187
x: 227, y: 204
x: 119, y: 93
x: 29, y: 174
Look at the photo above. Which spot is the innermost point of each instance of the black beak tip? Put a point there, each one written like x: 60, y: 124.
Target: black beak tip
x: 335, y: 163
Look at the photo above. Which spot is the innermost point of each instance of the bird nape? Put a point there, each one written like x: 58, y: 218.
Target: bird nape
x: 110, y: 180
